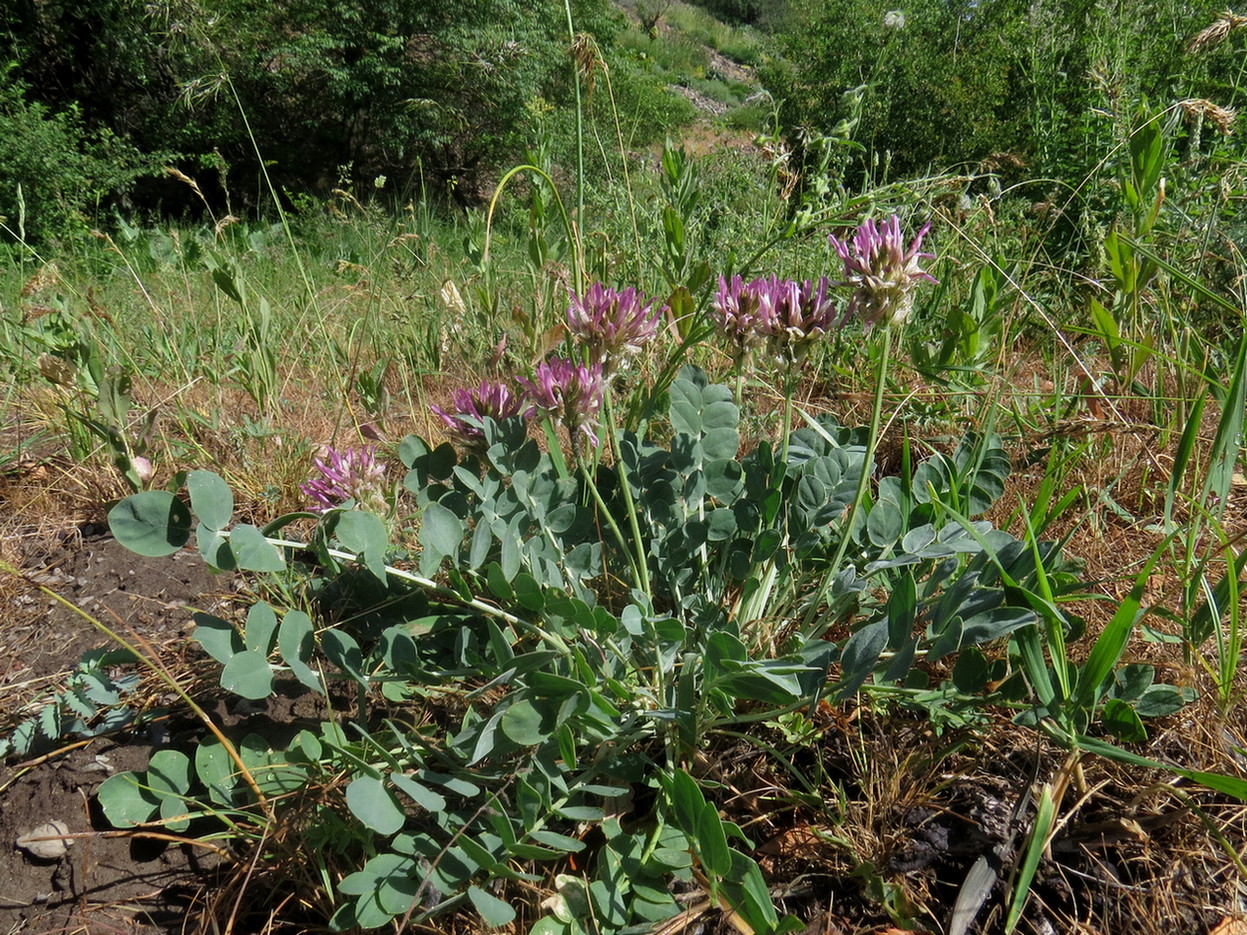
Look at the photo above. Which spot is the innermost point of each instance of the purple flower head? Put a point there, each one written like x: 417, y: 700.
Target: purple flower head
x: 495, y: 401
x: 803, y: 313
x: 569, y: 392
x: 350, y: 474
x: 881, y: 271
x: 780, y: 314
x: 612, y: 325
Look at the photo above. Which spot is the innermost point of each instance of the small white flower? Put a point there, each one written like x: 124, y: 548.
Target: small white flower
x: 894, y: 19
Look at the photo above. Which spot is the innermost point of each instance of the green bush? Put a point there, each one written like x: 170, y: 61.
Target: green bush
x: 648, y: 111
x: 53, y: 171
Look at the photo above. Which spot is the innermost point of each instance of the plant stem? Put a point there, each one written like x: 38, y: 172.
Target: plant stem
x: 641, y: 568
x: 868, y: 457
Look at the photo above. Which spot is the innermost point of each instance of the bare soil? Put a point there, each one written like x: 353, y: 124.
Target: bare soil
x: 104, y: 883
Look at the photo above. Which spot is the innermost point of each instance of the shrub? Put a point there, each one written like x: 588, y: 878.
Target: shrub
x: 52, y: 170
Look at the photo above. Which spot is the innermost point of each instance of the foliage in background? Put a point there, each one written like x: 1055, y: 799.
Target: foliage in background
x: 53, y: 169
x: 1022, y: 88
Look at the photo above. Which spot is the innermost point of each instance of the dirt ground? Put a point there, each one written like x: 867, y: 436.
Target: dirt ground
x: 103, y: 883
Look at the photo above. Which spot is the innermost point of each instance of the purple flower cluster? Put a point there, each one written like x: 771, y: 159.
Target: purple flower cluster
x: 607, y: 326
x: 882, y: 271
x: 471, y: 407
x: 781, y: 315
x: 349, y: 474
x: 570, y: 392
x: 610, y: 325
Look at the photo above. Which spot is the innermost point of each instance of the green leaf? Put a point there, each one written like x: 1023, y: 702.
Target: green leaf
x: 295, y: 642
x: 528, y: 591
x: 214, y: 548
x: 211, y: 499
x: 720, y: 444
x: 1159, y: 701
x: 422, y: 795
x: 686, y: 799
x: 216, y: 770
x: 498, y: 582
x: 441, y: 531
x: 1112, y: 641
x: 971, y: 672
x: 261, y: 631
x: 366, y: 535
x: 248, y: 674
x: 372, y: 802
x: 344, y: 653
x: 169, y: 771
x: 711, y: 841
x: 152, y: 523
x: 526, y: 724
x: 1122, y: 721
x: 253, y: 552
x: 885, y: 523
x: 126, y: 802
x: 494, y: 912
x: 218, y: 638
x: 1045, y: 817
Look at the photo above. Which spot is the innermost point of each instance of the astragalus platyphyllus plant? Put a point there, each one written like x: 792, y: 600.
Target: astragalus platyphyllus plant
x: 495, y: 401
x: 883, y: 272
x: 351, y: 474
x: 612, y: 326
x: 569, y: 392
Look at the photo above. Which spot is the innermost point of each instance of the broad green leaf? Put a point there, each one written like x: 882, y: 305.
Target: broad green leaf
x: 441, y: 531
x: 126, y: 802
x: 253, y: 552
x: 218, y: 638
x: 366, y: 535
x: 169, y: 771
x: 376, y: 871
x: 494, y: 912
x: 214, y: 548
x: 342, y: 650
x: 1121, y: 720
x: 216, y: 770
x: 248, y: 674
x: 498, y: 582
x: 295, y: 642
x: 526, y: 724
x: 1159, y: 701
x: 686, y: 799
x: 711, y: 841
x: 261, y: 630
x: 211, y: 499
x: 152, y: 523
x: 422, y: 795
x: 374, y: 804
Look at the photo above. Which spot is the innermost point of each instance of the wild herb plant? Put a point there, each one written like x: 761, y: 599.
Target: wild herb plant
x: 600, y: 623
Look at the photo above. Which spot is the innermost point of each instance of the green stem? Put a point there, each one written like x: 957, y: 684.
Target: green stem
x: 614, y: 526
x: 642, y: 569
x: 580, y: 151
x: 868, y: 458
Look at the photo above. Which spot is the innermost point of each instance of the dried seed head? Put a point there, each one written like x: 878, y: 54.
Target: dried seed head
x: 45, y: 277
x: 1212, y: 36
x: 1198, y: 108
